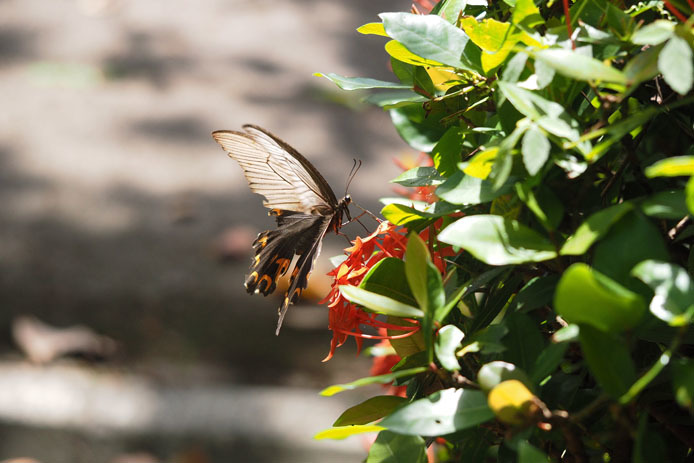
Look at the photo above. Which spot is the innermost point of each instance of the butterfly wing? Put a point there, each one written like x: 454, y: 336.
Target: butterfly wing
x: 277, y: 171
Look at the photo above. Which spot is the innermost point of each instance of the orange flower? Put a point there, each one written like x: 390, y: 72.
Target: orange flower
x: 345, y: 318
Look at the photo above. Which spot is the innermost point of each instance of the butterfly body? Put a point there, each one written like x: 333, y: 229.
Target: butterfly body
x: 299, y: 198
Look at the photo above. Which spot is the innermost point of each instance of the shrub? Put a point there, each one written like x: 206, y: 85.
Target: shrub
x: 556, y: 324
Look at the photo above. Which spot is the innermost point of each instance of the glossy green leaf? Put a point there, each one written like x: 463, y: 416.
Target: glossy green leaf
x: 447, y: 343
x: 418, y: 176
x: 358, y: 83
x: 496, y: 372
x: 608, y: 359
x: 620, y: 22
x: 578, y: 66
x: 387, y: 278
x: 683, y: 382
x: 535, y: 149
x: 443, y: 412
x: 586, y: 296
x: 595, y: 227
x: 673, y: 301
x: 675, y: 63
x: 378, y: 303
x: 486, y: 340
x: 464, y: 189
x: 498, y: 241
x: 380, y: 379
x: 344, y: 432
x: 431, y: 37
x: 390, y: 447
x: 370, y: 410
x: 671, y: 167
x: 615, y: 132
x: 654, y: 33
x: 689, y: 195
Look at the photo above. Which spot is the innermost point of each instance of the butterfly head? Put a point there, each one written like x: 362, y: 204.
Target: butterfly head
x: 347, y: 199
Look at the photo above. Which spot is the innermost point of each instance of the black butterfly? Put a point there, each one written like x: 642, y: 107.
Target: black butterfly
x: 298, y: 197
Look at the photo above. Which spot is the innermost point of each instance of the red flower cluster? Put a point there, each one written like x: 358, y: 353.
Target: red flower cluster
x: 345, y: 318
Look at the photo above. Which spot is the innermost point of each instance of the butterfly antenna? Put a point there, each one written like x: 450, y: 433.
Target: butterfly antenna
x: 352, y: 173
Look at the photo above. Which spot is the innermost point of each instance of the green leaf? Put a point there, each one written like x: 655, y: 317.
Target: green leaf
x: 578, y: 66
x: 372, y: 29
x: 358, y: 83
x: 619, y: 21
x: 370, y: 410
x: 689, y: 192
x: 431, y: 37
x: 594, y: 228
x: 450, y: 10
x: 498, y: 241
x: 468, y: 190
x: 524, y: 343
x: 416, y: 259
x: 547, y: 114
x: 526, y: 13
x: 683, y: 382
x: 447, y: 343
x: 381, y: 379
x: 399, y: 214
x: 529, y: 454
x: 671, y: 167
x: 654, y: 33
x: 395, y: 98
x: 674, y: 291
x: 535, y: 149
x: 443, y: 412
x: 387, y: 278
x: 675, y: 63
x: 447, y: 152
x: 622, y: 248
x: 420, y: 132
x: 496, y: 372
x: 418, y: 176
x: 538, y: 292
x: 390, y: 447
x: 643, y: 66
x: 346, y: 431
x: 379, y: 304
x: 608, y: 360
x: 488, y: 34
x: 548, y: 361
x: 665, y: 205
x: 585, y: 296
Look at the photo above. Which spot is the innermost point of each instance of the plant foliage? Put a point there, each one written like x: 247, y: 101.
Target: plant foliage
x: 562, y: 159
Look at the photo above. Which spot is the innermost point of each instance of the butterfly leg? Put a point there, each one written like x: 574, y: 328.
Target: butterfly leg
x: 366, y: 211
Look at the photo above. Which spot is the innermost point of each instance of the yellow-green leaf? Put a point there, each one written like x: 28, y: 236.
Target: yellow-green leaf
x: 372, y: 29
x: 342, y: 432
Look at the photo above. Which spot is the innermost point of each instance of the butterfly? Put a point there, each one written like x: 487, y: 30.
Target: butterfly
x: 300, y: 200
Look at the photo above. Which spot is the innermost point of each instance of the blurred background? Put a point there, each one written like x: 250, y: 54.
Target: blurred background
x: 125, y: 231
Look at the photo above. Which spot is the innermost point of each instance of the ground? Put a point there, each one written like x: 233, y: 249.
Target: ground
x: 120, y: 213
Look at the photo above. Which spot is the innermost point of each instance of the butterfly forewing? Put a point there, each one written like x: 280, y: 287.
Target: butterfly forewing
x: 276, y: 171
